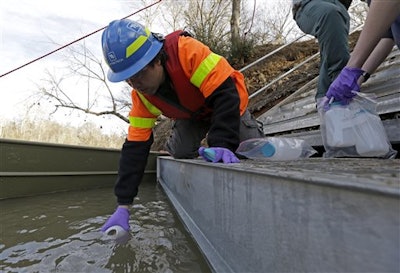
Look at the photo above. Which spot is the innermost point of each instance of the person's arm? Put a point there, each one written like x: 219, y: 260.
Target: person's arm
x: 132, y: 164
x: 380, y: 16
x: 225, y: 121
x: 223, y: 135
x: 378, y: 55
x: 218, y: 88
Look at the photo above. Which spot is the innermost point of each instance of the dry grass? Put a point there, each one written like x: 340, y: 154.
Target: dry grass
x: 52, y: 132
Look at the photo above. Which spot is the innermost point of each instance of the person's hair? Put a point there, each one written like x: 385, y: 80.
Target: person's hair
x: 162, y: 56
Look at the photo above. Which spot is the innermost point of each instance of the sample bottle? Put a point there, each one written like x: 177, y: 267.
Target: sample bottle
x: 339, y: 126
x: 117, y: 233
x: 274, y: 148
x: 371, y: 139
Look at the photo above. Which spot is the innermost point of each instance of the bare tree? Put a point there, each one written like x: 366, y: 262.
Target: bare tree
x: 98, y: 98
x: 243, y: 37
x: 358, y: 13
x: 172, y: 15
x: 276, y: 23
x: 146, y: 16
x: 235, y: 24
x: 209, y: 21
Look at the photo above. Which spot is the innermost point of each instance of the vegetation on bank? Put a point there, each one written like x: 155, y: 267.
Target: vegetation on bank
x: 88, y: 134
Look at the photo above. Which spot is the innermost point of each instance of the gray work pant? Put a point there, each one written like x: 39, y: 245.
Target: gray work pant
x: 187, y: 135
x: 328, y: 21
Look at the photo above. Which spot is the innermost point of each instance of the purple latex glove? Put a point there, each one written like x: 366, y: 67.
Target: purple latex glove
x: 216, y: 154
x: 345, y: 86
x: 119, y: 218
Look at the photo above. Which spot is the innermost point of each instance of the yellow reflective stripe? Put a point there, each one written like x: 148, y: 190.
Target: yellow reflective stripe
x: 133, y: 47
x: 204, y: 69
x: 152, y: 109
x: 142, y: 122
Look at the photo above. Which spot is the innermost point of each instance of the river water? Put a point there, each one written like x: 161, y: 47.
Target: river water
x: 60, y: 233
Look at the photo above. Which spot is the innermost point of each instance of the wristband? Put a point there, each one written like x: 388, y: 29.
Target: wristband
x: 366, y: 75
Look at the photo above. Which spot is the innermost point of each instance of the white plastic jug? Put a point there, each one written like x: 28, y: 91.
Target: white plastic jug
x: 371, y: 139
x: 117, y: 233
x: 338, y: 124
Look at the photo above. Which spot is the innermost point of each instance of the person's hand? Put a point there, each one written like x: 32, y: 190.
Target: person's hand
x: 119, y: 218
x: 345, y: 86
x: 216, y: 154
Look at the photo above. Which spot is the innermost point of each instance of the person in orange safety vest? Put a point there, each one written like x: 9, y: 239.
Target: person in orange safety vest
x: 181, y: 78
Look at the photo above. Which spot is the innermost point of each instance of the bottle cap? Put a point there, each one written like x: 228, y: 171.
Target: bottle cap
x: 268, y: 149
x: 209, y: 154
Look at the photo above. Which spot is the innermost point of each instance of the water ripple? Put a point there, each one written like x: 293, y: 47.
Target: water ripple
x: 65, y: 237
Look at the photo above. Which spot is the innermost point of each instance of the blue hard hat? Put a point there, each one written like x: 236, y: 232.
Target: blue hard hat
x: 127, y: 48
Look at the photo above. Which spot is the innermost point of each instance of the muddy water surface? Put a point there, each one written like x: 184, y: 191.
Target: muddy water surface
x: 60, y: 233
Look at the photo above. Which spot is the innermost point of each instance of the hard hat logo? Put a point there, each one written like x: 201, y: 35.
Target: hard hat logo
x: 112, y: 59
x: 128, y: 47
x: 134, y: 26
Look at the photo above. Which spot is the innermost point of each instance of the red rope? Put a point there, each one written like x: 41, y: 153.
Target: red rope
x: 77, y: 40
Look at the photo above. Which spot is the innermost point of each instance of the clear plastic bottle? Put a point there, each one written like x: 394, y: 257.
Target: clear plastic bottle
x: 275, y: 148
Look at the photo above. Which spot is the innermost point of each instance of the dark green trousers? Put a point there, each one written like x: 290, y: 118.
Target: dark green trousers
x: 187, y: 134
x: 328, y: 21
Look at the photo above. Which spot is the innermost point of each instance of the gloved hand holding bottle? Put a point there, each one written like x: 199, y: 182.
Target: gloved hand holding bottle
x: 119, y: 218
x: 217, y: 154
x: 345, y: 86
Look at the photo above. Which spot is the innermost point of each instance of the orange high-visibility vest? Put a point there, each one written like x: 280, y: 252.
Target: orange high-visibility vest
x: 195, y: 72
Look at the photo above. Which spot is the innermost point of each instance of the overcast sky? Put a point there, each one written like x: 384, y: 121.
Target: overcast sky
x: 31, y: 28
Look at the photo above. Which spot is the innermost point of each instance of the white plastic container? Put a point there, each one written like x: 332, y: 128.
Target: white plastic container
x: 275, y: 148
x: 117, y: 233
x: 339, y: 126
x: 371, y: 139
